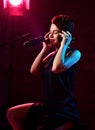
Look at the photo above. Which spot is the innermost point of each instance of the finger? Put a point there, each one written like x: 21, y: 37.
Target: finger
x: 69, y: 33
x: 46, y: 35
x: 63, y: 32
x: 66, y: 35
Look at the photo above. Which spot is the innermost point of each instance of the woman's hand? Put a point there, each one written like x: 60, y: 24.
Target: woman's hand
x: 46, y: 43
x: 47, y: 46
x: 66, y: 38
x: 46, y: 35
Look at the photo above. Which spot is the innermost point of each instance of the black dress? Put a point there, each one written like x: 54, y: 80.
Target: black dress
x: 59, y: 104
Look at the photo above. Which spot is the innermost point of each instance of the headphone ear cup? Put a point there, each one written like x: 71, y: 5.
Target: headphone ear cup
x: 60, y: 38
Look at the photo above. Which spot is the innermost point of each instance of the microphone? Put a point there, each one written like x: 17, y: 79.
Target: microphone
x: 34, y: 41
x: 47, y: 41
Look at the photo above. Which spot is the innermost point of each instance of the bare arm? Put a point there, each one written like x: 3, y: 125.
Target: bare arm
x: 36, y: 66
x: 62, y: 62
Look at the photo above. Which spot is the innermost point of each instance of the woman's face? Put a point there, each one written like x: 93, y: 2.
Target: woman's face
x: 54, y: 34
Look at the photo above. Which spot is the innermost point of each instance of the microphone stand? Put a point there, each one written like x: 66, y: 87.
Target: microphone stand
x: 8, y: 104
x: 21, y: 37
x: 10, y: 71
x: 11, y: 61
x: 30, y: 43
x: 34, y: 41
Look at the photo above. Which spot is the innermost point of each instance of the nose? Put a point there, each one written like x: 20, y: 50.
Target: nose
x: 50, y: 35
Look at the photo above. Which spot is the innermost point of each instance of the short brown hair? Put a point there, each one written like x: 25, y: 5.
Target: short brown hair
x: 63, y: 22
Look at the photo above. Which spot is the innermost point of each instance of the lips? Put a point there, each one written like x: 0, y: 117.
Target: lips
x: 52, y: 40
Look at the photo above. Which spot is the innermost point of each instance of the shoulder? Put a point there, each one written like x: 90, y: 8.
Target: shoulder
x: 72, y: 56
x: 73, y: 52
x: 76, y: 55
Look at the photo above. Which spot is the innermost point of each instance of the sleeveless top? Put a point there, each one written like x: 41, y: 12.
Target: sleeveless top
x: 58, y: 94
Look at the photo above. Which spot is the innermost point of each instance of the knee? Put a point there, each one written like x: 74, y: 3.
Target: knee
x: 9, y: 114
x: 12, y: 115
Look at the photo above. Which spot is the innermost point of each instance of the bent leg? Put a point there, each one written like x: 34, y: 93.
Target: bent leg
x: 16, y: 115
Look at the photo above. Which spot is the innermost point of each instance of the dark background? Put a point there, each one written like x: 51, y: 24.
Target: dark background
x: 17, y: 85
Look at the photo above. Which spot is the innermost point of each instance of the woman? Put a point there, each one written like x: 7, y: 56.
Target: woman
x: 58, y: 110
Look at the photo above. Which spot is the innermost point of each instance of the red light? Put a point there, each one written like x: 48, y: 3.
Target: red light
x: 16, y: 7
x: 15, y: 2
